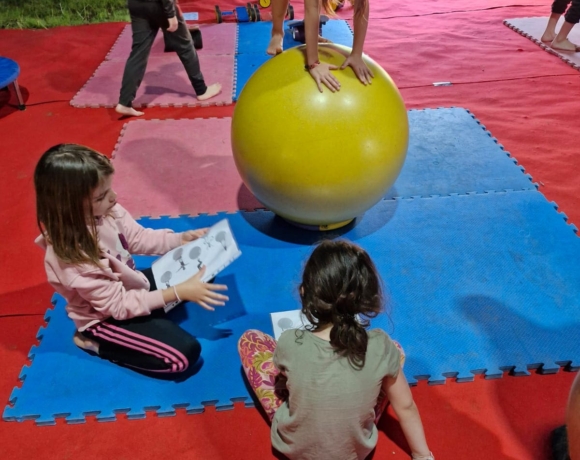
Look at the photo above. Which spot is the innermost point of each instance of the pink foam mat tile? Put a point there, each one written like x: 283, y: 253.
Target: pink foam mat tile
x: 533, y: 29
x: 165, y: 83
x: 217, y: 39
x: 174, y: 167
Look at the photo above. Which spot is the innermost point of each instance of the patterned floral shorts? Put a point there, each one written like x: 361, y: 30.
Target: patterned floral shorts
x: 257, y: 352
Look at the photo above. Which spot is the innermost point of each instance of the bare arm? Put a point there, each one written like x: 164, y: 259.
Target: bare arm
x: 311, y: 22
x: 355, y: 59
x: 319, y: 71
x: 399, y: 394
x: 360, y: 31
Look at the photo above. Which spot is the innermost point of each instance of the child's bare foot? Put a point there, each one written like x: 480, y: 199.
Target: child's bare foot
x: 84, y: 343
x: 128, y: 111
x: 548, y: 36
x: 211, y: 91
x: 276, y: 45
x: 565, y: 45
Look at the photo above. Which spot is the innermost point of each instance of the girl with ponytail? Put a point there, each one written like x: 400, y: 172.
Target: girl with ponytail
x: 324, y: 388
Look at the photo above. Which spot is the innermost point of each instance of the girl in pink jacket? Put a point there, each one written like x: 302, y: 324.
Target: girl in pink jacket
x: 89, y: 239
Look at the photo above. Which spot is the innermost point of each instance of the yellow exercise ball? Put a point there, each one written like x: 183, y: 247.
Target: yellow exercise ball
x: 318, y: 159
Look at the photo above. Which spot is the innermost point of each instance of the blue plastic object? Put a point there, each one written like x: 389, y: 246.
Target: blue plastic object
x: 9, y: 71
x: 242, y: 14
x: 478, y: 281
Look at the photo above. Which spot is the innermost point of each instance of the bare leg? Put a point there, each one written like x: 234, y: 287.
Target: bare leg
x: 561, y: 41
x: 85, y: 343
x: 550, y: 32
x: 279, y: 8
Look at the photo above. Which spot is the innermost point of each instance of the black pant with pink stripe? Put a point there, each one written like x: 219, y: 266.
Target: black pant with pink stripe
x: 151, y: 343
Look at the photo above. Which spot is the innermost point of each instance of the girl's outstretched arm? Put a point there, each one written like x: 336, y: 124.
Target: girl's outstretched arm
x: 361, y: 22
x: 319, y: 71
x: 401, y: 399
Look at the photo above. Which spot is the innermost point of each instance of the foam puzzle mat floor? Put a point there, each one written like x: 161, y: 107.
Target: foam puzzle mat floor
x: 449, y: 152
x: 477, y: 282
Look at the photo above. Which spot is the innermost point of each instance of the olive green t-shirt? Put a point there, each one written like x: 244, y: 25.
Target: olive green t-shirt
x: 330, y: 411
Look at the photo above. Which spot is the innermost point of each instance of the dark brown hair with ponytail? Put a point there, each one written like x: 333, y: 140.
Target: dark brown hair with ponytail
x: 340, y: 282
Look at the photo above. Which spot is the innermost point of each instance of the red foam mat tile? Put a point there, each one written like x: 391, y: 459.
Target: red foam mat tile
x: 173, y: 167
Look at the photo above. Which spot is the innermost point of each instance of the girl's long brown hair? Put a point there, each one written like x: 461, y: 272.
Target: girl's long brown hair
x: 340, y: 281
x: 329, y: 6
x: 65, y: 178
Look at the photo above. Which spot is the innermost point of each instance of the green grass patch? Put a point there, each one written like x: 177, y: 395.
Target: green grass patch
x: 42, y: 14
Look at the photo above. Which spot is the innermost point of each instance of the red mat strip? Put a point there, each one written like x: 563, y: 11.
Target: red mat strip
x: 532, y: 117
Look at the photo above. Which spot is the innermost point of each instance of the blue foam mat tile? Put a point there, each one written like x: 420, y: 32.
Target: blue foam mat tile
x: 253, y: 37
x: 479, y: 281
x: 246, y: 65
x: 449, y: 152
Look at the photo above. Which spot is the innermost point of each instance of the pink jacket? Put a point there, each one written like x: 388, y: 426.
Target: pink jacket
x: 116, y: 289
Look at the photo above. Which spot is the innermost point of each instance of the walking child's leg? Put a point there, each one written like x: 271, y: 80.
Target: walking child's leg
x: 558, y: 9
x: 279, y: 8
x: 382, y: 400
x: 181, y: 42
x: 572, y: 17
x: 144, y: 32
x: 256, y: 352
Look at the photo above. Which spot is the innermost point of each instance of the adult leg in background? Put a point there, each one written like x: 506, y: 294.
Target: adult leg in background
x: 572, y: 18
x: 144, y: 26
x: 181, y: 42
x: 279, y: 8
x: 558, y: 9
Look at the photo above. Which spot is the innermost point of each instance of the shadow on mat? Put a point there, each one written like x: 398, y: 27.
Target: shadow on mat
x: 511, y: 335
x: 271, y: 225
x: 151, y: 90
x: 9, y: 101
x: 201, y: 322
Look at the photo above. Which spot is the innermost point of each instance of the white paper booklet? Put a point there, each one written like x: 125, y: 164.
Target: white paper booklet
x: 216, y: 250
x: 291, y: 319
x: 284, y: 320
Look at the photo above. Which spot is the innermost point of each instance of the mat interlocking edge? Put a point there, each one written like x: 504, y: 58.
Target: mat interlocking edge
x: 488, y: 282
x: 533, y: 29
x: 449, y: 146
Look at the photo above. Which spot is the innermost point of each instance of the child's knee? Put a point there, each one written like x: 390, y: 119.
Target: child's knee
x: 191, y: 349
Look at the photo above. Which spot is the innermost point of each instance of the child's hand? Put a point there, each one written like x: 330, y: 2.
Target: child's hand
x: 172, y: 24
x: 191, y: 235
x: 321, y: 74
x: 361, y: 70
x: 194, y: 290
